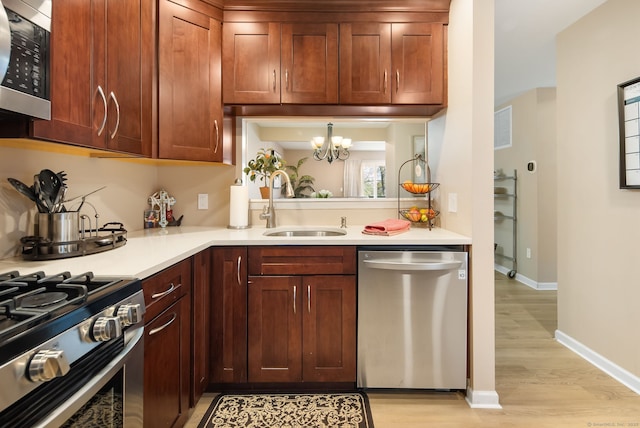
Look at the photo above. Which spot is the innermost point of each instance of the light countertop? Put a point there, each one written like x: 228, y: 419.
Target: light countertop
x: 149, y: 251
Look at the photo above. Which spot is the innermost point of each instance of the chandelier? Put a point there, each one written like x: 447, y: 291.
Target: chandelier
x: 332, y: 148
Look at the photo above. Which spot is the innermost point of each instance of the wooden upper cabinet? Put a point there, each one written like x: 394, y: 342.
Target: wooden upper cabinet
x: 365, y: 63
x: 101, y: 68
x: 129, y: 100
x: 272, y: 63
x: 190, y: 104
x: 251, y: 63
x: 310, y: 63
x: 418, y: 63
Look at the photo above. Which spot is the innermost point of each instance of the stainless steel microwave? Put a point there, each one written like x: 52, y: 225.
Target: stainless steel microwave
x: 25, y: 30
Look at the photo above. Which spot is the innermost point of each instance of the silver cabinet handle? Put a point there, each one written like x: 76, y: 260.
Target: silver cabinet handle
x: 115, y: 101
x: 395, y: 265
x: 274, y: 80
x: 104, y: 102
x: 286, y: 79
x: 164, y: 293
x: 308, y: 298
x: 384, y: 86
x: 295, y: 294
x: 165, y: 325
x: 397, y: 80
x: 238, y: 270
x: 215, y: 123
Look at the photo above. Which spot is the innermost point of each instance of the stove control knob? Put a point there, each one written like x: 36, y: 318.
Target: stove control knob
x: 46, y: 365
x: 129, y: 314
x: 106, y: 328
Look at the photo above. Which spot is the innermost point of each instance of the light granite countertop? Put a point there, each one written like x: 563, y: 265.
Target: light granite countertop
x: 149, y: 251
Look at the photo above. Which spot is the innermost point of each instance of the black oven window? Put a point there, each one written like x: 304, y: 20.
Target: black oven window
x: 104, y: 410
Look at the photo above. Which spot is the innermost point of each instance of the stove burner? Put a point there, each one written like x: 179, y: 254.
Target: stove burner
x: 43, y: 299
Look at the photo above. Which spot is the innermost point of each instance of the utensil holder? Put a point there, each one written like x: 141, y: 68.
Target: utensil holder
x: 61, y: 229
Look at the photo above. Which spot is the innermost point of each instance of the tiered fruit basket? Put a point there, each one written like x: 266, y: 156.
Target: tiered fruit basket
x: 420, y: 184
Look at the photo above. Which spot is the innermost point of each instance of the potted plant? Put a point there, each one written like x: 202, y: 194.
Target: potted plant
x: 265, y: 163
x: 302, y: 184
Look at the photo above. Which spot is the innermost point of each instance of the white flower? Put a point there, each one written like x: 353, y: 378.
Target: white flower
x: 322, y: 194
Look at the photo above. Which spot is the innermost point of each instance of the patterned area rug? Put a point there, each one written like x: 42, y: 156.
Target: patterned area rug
x: 343, y: 410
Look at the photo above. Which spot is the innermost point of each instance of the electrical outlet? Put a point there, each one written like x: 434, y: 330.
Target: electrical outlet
x: 453, y: 202
x: 203, y: 201
x: 528, y: 253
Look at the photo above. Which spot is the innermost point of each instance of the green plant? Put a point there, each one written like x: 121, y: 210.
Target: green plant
x: 266, y: 162
x: 302, y: 184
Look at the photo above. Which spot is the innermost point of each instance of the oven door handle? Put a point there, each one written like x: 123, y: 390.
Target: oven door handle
x: 67, y: 409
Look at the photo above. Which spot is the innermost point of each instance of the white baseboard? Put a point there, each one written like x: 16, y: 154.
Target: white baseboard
x: 623, y: 376
x: 483, y: 399
x: 527, y: 281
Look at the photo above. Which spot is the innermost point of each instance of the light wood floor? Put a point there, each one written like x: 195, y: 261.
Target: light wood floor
x: 540, y: 382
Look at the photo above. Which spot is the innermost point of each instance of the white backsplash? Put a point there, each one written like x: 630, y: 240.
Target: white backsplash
x: 128, y: 185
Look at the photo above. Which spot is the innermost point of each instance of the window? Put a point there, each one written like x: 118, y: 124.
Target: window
x: 372, y: 176
x: 502, y: 128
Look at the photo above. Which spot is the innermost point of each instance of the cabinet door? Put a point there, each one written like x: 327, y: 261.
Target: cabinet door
x: 190, y: 108
x: 275, y: 329
x: 251, y: 63
x: 95, y: 99
x: 418, y: 63
x: 200, y: 310
x: 228, y: 349
x: 310, y: 63
x: 74, y: 94
x: 166, y: 367
x: 365, y: 63
x: 127, y: 76
x: 329, y: 329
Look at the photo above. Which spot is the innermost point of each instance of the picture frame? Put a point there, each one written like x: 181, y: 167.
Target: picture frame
x: 629, y: 133
x: 151, y: 218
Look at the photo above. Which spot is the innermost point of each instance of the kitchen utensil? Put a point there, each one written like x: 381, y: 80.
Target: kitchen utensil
x: 58, y: 204
x: 50, y: 185
x: 83, y: 197
x: 23, y: 188
x: 41, y: 202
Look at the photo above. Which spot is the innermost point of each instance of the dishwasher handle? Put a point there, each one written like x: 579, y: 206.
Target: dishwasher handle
x: 420, y: 266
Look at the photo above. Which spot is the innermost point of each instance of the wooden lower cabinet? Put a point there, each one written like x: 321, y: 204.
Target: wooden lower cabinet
x: 200, y: 322
x: 302, y: 328
x: 167, y: 344
x: 228, y: 348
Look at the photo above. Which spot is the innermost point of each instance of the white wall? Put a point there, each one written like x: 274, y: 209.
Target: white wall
x: 465, y: 169
x: 598, y: 227
x: 533, y: 139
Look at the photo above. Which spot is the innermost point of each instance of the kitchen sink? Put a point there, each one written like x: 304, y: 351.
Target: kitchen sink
x: 305, y: 231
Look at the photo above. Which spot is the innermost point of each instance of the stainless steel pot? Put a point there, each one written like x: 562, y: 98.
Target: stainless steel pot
x: 59, y: 228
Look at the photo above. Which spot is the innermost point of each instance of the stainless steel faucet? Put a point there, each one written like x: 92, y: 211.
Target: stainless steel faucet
x: 269, y: 213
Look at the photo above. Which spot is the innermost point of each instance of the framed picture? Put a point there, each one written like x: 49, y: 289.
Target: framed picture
x: 151, y: 218
x: 629, y: 118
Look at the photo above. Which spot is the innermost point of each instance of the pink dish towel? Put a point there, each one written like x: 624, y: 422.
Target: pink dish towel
x: 389, y: 226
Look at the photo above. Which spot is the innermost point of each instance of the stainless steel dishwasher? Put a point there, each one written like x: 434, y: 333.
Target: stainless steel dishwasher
x: 412, y: 318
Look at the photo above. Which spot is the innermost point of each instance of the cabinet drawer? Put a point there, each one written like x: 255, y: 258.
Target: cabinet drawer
x: 302, y: 260
x: 166, y: 287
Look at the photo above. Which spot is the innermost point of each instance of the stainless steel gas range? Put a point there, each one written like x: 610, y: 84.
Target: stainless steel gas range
x: 71, y: 350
